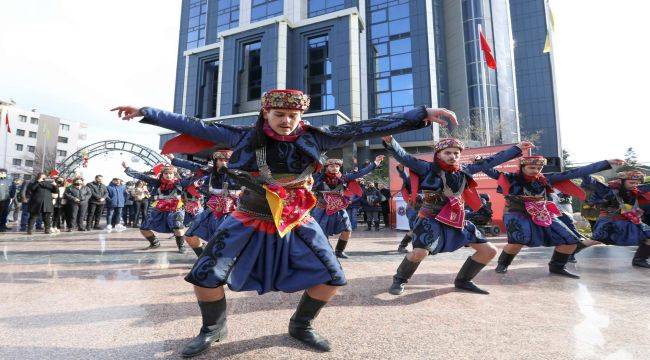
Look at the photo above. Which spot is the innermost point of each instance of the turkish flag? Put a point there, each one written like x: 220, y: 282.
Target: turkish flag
x: 7, y: 122
x: 487, y: 51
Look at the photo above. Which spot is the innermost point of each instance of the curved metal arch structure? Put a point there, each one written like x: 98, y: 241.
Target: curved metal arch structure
x: 67, y: 166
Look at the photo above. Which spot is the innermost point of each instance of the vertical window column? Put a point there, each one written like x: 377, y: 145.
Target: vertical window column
x: 196, y: 24
x: 319, y: 74
x: 264, y: 9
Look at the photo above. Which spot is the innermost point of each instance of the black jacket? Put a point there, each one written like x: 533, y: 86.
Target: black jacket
x: 40, y: 199
x: 72, y: 194
x: 98, y: 191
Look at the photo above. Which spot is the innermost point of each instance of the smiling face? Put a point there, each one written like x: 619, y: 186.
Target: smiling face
x: 532, y: 170
x: 450, y: 156
x: 282, y: 121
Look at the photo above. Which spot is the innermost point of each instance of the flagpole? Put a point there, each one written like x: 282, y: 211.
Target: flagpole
x: 6, y: 166
x: 484, y: 85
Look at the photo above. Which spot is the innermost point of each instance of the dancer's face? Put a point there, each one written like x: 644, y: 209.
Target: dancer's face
x: 219, y: 163
x: 282, y: 121
x: 333, y: 168
x: 450, y: 156
x: 168, y: 175
x: 630, y: 184
x: 532, y: 170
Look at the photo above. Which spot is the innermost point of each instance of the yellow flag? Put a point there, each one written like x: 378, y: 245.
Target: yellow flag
x: 547, y: 44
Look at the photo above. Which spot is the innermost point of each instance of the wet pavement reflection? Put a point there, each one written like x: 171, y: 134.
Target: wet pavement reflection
x: 100, y: 295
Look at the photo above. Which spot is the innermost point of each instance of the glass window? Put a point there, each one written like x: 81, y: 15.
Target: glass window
x: 264, y: 9
x: 320, y: 7
x: 207, y: 93
x: 34, y: 121
x: 196, y: 24
x: 65, y: 127
x: 228, y: 14
x: 382, y: 85
x: 402, y: 61
x: 62, y: 153
x: 20, y: 132
x: 17, y: 162
x: 401, y: 82
x: 19, y: 147
x: 253, y: 65
x: 402, y: 98
x: 319, y: 72
x: 63, y: 140
x: 398, y: 11
x: 22, y: 118
x: 29, y: 163
x: 379, y: 30
x: 400, y: 26
x: 32, y: 134
x: 400, y: 46
x: 31, y: 148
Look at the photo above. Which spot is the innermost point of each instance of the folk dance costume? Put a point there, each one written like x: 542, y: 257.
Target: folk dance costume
x: 441, y: 225
x: 271, y: 243
x: 333, y: 191
x: 621, y: 217
x: 222, y: 193
x: 166, y: 213
x: 412, y: 207
x: 531, y: 218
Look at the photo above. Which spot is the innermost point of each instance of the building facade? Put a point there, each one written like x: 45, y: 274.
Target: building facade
x: 37, y: 142
x: 357, y: 59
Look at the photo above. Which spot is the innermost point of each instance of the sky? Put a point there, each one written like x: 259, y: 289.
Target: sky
x: 76, y: 59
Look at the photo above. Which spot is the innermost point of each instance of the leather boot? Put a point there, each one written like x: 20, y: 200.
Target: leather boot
x: 300, y: 325
x: 340, y: 247
x: 579, y: 247
x: 213, y: 314
x: 404, y: 243
x: 557, y: 265
x: 504, y: 261
x: 153, y: 242
x: 641, y: 256
x: 198, y: 251
x: 470, y: 269
x: 404, y: 272
x: 180, y: 243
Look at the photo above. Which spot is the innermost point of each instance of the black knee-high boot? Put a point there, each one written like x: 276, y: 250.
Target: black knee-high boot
x: 198, y: 251
x: 579, y: 247
x: 641, y: 256
x: 557, y: 265
x: 180, y: 243
x: 153, y: 241
x: 404, y: 243
x: 470, y: 269
x: 340, y: 248
x: 504, y: 261
x: 300, y: 325
x: 213, y: 314
x: 404, y: 272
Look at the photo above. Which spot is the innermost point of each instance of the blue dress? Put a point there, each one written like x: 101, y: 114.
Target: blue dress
x: 340, y: 220
x: 611, y: 228
x: 157, y: 220
x: 204, y: 225
x: 520, y: 227
x: 429, y: 233
x: 247, y: 253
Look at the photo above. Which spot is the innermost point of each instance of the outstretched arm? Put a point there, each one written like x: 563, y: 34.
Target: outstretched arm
x: 583, y: 170
x: 140, y: 176
x: 218, y: 133
x: 338, y: 136
x: 420, y: 167
x: 186, y: 164
x: 497, y: 159
x: 365, y: 171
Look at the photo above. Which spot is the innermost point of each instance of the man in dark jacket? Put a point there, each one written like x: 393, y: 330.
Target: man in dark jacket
x: 98, y: 195
x: 115, y: 204
x: 40, y: 202
x: 7, y: 192
x: 385, y: 204
x: 77, y: 196
x: 372, y: 205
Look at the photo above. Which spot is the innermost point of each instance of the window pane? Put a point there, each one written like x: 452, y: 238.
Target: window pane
x: 400, y: 46
x: 399, y: 26
x: 402, y: 82
x: 402, y: 98
x: 399, y: 11
x: 400, y: 61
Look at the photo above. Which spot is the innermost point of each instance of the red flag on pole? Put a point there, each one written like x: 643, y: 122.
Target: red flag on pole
x: 487, y: 51
x: 7, y: 123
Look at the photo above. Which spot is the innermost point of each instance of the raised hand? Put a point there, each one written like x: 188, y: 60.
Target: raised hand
x: 525, y: 145
x: 379, y: 159
x: 124, y: 165
x: 387, y: 139
x: 616, y: 162
x: 169, y: 156
x: 127, y: 112
x: 439, y: 115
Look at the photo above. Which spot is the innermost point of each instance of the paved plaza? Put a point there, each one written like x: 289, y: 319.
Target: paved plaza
x: 98, y: 295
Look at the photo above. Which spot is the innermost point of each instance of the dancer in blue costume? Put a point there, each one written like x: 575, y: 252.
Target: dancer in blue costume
x: 331, y: 189
x: 166, y: 212
x: 621, y: 216
x: 413, y: 205
x: 532, y: 219
x: 441, y: 224
x: 221, y: 191
x: 271, y: 243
